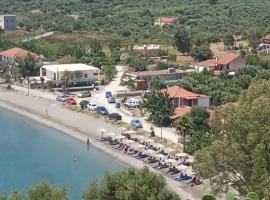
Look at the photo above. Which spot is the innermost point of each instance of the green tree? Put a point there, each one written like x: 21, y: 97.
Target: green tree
x: 201, y: 53
x: 109, y: 71
x: 208, y: 197
x: 45, y: 191
x: 212, y: 2
x: 115, y: 47
x: 240, y: 153
x: 184, y: 129
x: 130, y: 184
x: 254, y: 38
x: 182, y: 41
x: 199, y: 117
x: 156, y: 83
x: 27, y: 66
x: 162, y: 66
x: 159, y: 106
x: 228, y: 40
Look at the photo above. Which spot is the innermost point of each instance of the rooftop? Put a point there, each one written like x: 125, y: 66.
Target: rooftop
x: 181, y: 111
x: 178, y: 92
x: 149, y: 47
x: 166, y: 20
x: 8, y: 15
x: 68, y: 67
x: 158, y: 72
x: 219, y: 61
x: 17, y: 53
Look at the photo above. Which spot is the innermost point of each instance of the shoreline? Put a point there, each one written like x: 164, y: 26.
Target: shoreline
x: 184, y: 193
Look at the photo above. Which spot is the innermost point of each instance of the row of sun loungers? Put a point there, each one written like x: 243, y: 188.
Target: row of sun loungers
x: 153, y: 155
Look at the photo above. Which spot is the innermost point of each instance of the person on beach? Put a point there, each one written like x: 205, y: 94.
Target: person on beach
x: 74, y: 158
x: 88, y: 141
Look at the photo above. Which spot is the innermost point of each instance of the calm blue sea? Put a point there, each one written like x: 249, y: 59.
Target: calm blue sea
x: 31, y: 153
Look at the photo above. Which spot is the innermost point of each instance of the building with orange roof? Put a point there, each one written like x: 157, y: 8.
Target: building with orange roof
x: 182, y: 97
x: 231, y: 62
x: 9, y: 56
x: 183, y: 100
x: 180, y: 112
x: 164, y: 20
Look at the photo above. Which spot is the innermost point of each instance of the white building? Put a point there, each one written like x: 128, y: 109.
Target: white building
x: 55, y: 72
x: 8, y: 22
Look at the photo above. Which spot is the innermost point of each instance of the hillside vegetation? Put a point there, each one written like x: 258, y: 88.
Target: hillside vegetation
x: 135, y: 18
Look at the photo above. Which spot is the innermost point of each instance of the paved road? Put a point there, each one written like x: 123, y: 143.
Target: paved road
x: 99, y: 98
x: 39, y: 36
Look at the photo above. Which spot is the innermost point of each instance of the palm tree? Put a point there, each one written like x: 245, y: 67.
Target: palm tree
x: 184, y: 129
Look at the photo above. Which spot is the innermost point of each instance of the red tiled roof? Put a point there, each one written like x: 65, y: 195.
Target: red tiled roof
x: 219, y: 61
x: 17, y: 53
x: 166, y: 20
x: 208, y: 63
x: 227, y: 59
x: 181, y: 111
x: 178, y: 92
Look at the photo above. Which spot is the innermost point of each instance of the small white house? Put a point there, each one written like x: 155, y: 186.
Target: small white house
x: 55, y: 72
x: 8, y: 22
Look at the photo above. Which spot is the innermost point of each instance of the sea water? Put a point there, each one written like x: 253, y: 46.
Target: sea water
x: 31, y: 153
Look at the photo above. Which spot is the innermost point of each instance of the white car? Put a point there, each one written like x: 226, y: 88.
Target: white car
x: 92, y: 106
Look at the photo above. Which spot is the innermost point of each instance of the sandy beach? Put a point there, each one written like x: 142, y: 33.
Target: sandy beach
x: 81, y: 126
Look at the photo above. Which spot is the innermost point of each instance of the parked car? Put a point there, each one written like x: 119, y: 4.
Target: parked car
x: 108, y: 94
x: 102, y: 110
x: 61, y: 98
x: 84, y: 103
x: 136, y: 123
x: 71, y: 101
x: 111, y: 99
x: 115, y: 116
x: 84, y: 94
x: 92, y: 106
x: 132, y: 103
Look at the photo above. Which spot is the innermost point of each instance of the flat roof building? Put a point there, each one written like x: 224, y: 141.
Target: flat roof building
x: 55, y: 72
x: 170, y: 74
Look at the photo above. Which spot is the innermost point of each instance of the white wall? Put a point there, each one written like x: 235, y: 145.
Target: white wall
x: 50, y: 74
x: 203, y: 102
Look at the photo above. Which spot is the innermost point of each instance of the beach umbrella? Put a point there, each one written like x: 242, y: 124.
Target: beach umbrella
x: 170, y: 161
x: 119, y: 137
x: 110, y: 134
x: 182, y: 167
x: 139, y: 146
x: 149, y: 152
x: 139, y: 137
x: 123, y: 129
x: 130, y: 132
x: 158, y: 145
x: 182, y: 155
x: 159, y: 156
x: 128, y: 141
x: 148, y: 140
x: 168, y: 150
x: 102, y: 130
